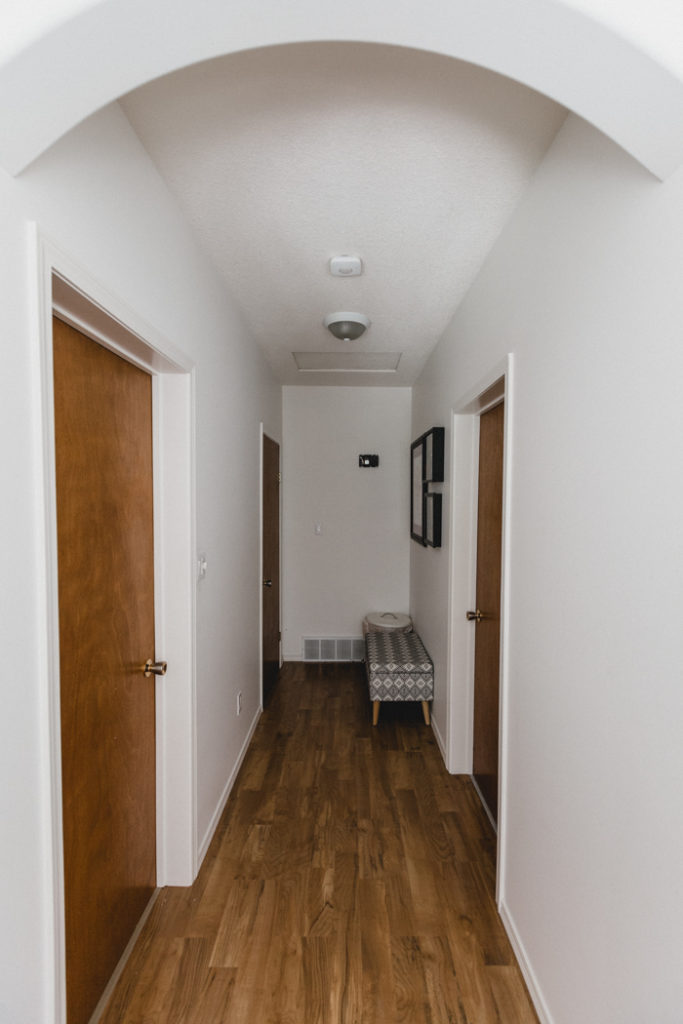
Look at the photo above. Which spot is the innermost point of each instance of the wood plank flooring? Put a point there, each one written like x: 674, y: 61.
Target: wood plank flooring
x: 350, y: 881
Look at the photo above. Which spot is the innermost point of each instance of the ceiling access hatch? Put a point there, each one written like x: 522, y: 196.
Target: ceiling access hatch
x: 347, y: 362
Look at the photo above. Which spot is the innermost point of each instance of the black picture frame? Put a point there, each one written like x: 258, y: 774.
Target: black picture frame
x: 426, y: 467
x: 432, y: 520
x: 434, y: 452
x: 417, y: 490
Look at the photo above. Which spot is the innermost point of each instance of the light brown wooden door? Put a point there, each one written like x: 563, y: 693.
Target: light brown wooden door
x: 271, y: 566
x: 487, y: 643
x: 103, y: 431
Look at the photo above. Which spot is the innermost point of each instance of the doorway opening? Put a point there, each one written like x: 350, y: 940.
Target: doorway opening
x: 270, y: 566
x: 485, y: 616
x: 104, y: 477
x: 66, y: 291
x: 495, y: 390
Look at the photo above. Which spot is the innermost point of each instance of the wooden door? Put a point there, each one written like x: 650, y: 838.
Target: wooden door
x: 487, y: 643
x: 271, y: 566
x: 103, y: 432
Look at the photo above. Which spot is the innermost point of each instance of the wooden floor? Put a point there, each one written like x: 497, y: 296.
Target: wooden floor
x: 350, y: 882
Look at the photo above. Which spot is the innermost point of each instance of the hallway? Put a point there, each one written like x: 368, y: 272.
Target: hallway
x: 350, y: 880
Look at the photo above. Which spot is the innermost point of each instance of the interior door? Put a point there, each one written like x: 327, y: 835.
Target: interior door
x: 487, y: 615
x: 271, y: 566
x: 103, y: 447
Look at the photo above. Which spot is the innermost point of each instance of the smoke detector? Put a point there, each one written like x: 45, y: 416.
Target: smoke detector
x: 346, y: 266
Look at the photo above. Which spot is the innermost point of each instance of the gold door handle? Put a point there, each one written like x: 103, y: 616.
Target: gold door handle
x: 475, y: 616
x: 267, y: 583
x: 154, y: 668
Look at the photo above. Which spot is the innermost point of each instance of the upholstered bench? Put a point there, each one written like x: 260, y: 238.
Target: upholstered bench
x: 398, y: 668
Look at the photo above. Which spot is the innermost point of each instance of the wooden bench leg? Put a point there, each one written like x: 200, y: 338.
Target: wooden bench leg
x: 425, y: 711
x: 375, y: 711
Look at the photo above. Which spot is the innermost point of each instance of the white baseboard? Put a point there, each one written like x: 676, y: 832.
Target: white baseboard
x: 485, y: 806
x: 216, y: 817
x: 440, y: 742
x: 525, y: 967
x: 118, y: 970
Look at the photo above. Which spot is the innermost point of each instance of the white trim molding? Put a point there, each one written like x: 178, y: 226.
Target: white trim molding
x: 496, y: 385
x: 227, y: 789
x: 561, y: 49
x: 65, y: 289
x: 530, y: 978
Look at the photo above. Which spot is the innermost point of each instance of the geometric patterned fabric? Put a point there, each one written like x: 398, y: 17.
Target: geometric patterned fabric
x: 398, y: 667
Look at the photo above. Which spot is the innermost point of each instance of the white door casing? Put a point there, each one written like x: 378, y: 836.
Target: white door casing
x: 66, y: 288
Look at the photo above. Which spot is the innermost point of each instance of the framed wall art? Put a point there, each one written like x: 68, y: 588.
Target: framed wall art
x: 434, y: 443
x: 417, y: 491
x: 426, y: 467
x: 432, y: 521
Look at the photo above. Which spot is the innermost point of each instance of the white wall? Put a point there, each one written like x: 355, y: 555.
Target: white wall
x: 359, y: 563
x: 584, y: 287
x: 97, y: 196
x: 540, y: 43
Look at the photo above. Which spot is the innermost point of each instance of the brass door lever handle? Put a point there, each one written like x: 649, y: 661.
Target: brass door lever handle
x: 154, y: 668
x: 476, y: 616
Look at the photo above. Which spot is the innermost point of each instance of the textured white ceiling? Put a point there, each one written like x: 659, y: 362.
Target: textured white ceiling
x: 286, y: 156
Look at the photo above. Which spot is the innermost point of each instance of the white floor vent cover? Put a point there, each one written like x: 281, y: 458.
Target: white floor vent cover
x: 333, y: 648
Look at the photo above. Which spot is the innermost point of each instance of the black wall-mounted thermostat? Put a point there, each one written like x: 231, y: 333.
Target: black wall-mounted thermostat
x: 368, y: 460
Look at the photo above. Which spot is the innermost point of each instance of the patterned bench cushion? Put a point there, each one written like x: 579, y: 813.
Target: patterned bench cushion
x: 398, y: 667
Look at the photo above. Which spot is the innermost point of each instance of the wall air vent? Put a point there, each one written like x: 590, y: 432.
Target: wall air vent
x: 333, y: 648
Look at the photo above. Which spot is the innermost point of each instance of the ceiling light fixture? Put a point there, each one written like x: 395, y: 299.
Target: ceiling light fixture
x: 346, y: 326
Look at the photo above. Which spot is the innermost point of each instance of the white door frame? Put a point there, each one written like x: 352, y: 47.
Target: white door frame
x: 65, y: 289
x: 488, y: 391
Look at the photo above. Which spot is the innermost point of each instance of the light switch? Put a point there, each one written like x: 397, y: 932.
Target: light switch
x: 318, y: 529
x: 201, y: 565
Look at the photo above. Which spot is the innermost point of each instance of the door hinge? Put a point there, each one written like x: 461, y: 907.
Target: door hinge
x: 279, y: 635
x: 279, y: 478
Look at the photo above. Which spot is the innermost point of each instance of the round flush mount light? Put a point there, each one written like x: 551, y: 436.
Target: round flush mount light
x: 346, y: 326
